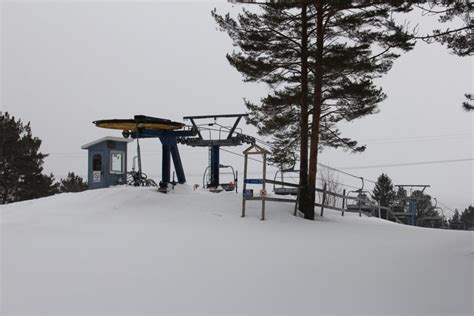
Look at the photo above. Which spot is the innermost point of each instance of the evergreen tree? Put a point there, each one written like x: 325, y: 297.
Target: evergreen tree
x: 72, y: 183
x: 37, y: 186
x: 400, y: 201
x: 467, y: 218
x: 426, y: 214
x: 423, y: 203
x: 455, y: 222
x: 467, y: 105
x: 320, y: 59
x: 383, y: 191
x: 21, y: 163
x: 458, y: 38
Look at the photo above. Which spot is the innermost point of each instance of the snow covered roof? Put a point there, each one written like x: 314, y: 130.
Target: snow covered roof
x: 103, y: 139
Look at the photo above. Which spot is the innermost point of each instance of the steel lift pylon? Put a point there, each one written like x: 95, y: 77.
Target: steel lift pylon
x: 232, y: 139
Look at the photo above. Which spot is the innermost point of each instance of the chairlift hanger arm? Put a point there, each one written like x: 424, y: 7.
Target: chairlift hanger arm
x: 231, y: 131
x: 214, y: 116
x: 196, y: 128
x: 237, y: 121
x: 424, y: 186
x: 414, y: 185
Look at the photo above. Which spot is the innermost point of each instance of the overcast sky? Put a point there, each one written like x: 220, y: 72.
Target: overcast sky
x: 67, y: 63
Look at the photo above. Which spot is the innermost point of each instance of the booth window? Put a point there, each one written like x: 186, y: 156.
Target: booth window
x: 116, y: 162
x: 97, y: 162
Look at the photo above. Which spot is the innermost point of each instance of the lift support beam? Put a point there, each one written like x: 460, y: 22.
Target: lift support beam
x: 169, y: 151
x: 215, y: 144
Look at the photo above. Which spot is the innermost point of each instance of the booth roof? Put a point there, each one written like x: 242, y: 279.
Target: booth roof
x: 107, y: 138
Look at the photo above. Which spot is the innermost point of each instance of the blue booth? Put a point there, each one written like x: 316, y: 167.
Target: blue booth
x: 107, y: 162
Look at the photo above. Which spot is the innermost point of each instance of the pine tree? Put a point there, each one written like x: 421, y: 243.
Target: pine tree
x: 21, y: 163
x: 426, y: 214
x: 467, y: 105
x: 400, y: 202
x: 274, y: 50
x: 423, y: 203
x: 383, y: 191
x: 72, y: 183
x: 459, y: 38
x: 455, y: 221
x: 467, y: 218
x: 320, y: 59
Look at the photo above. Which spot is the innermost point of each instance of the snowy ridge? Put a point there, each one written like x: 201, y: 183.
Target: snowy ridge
x: 135, y: 251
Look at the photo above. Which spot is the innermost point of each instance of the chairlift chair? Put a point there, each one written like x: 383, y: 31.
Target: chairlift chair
x: 432, y: 218
x: 365, y: 205
x: 230, y: 186
x: 283, y: 190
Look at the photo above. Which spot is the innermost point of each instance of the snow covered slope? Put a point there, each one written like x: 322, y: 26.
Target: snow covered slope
x: 135, y: 251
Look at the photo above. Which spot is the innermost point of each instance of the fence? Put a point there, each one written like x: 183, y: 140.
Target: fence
x: 365, y: 206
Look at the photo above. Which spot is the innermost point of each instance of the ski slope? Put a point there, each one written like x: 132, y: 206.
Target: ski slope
x: 134, y: 251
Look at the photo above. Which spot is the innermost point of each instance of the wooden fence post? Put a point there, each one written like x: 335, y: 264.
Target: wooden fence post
x: 264, y: 176
x: 343, y: 201
x: 236, y: 180
x: 324, y: 199
x: 378, y: 204
x: 245, y: 185
x: 297, y: 200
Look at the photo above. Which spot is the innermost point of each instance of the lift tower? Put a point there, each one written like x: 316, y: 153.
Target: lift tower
x: 227, y: 137
x: 412, y: 202
x: 167, y: 131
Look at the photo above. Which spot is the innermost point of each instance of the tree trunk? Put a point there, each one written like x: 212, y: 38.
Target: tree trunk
x: 304, y: 194
x: 316, y: 113
x: 5, y: 196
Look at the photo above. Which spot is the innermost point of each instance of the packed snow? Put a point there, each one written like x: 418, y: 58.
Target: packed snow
x: 134, y: 251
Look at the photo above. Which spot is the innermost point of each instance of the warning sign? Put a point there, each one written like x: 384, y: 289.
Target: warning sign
x: 96, y: 176
x: 248, y: 193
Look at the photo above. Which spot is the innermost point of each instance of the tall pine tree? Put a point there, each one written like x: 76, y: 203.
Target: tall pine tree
x: 457, y: 35
x: 400, y: 202
x: 21, y: 176
x: 455, y: 221
x: 456, y: 14
x: 320, y: 59
x: 424, y: 205
x: 467, y: 218
x: 427, y: 214
x: 383, y: 191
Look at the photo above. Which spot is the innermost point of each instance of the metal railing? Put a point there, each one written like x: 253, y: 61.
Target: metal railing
x: 375, y: 208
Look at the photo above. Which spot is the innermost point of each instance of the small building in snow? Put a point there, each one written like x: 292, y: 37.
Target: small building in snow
x: 107, y: 162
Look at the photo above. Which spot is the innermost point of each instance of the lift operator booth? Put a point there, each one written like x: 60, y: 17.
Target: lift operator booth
x: 107, y: 162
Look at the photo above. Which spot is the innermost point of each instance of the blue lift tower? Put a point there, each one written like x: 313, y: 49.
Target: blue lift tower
x: 166, y: 131
x: 228, y: 136
x: 411, y: 214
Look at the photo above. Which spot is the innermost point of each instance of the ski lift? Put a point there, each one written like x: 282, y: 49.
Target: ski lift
x: 230, y: 186
x: 284, y: 190
x: 363, y: 204
x: 432, y: 218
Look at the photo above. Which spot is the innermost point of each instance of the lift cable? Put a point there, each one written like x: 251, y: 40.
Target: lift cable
x: 408, y: 164
x: 446, y: 207
x: 325, y: 166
